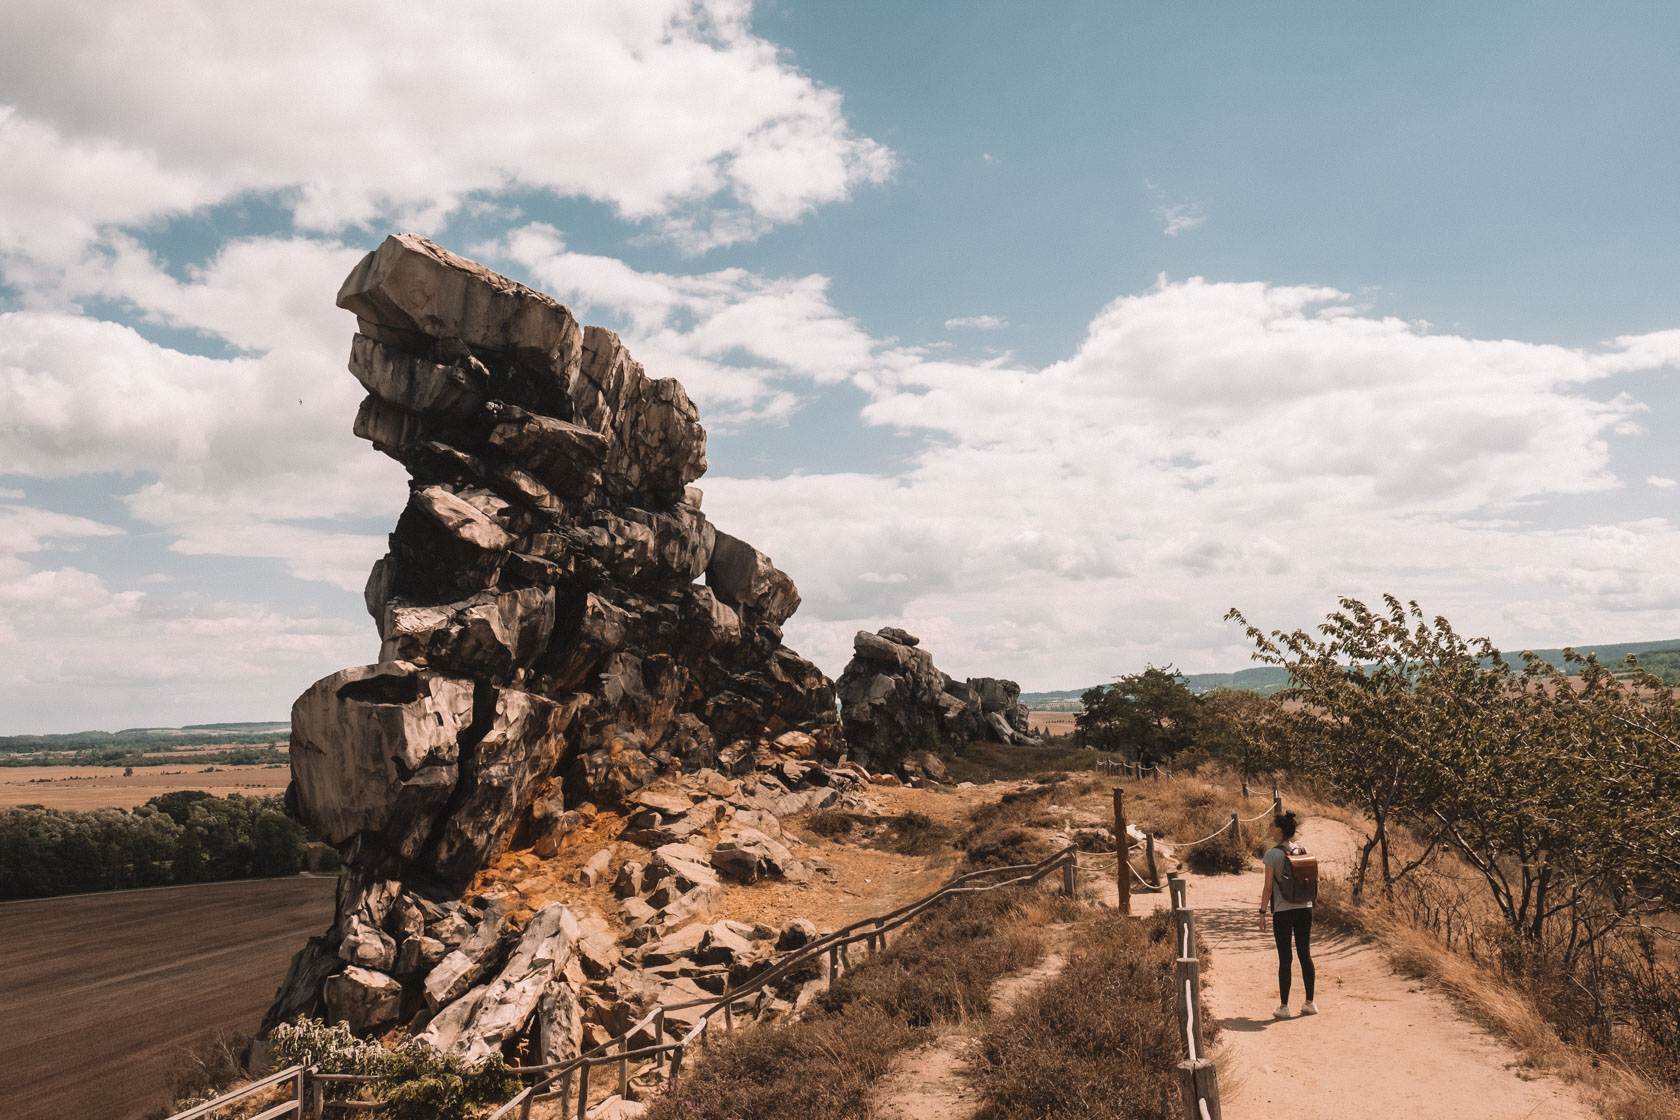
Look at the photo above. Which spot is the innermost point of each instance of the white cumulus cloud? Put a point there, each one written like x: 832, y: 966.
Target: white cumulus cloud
x: 670, y: 111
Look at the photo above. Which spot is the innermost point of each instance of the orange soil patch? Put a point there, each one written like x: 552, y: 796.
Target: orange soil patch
x: 860, y: 881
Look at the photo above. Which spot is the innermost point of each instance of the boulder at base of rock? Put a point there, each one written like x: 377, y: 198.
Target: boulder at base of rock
x: 362, y: 998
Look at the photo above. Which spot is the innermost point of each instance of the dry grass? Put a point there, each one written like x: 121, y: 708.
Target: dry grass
x: 1008, y: 832
x: 1099, y: 1042
x: 824, y: 1064
x: 908, y: 834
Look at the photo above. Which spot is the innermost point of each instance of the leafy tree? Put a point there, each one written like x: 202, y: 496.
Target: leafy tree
x: 1236, y: 726
x: 1561, y: 792
x: 1380, y: 695
x: 1150, y: 715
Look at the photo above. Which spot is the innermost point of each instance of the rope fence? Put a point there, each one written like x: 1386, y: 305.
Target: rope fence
x: 1198, y: 1080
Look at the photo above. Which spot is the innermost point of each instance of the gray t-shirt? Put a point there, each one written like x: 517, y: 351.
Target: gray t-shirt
x: 1274, y: 859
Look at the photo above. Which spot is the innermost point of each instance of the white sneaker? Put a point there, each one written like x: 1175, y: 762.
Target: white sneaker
x: 1281, y: 1011
x: 1309, y: 1008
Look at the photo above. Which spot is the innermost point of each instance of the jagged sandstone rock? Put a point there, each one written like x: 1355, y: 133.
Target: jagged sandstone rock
x: 544, y: 644
x: 894, y: 703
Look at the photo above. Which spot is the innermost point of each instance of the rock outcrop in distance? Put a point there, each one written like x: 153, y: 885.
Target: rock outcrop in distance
x: 894, y: 702
x: 545, y: 643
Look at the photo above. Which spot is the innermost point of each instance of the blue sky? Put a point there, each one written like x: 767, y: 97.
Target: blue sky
x: 1049, y: 331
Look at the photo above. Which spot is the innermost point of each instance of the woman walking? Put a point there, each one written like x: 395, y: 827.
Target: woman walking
x: 1290, y: 920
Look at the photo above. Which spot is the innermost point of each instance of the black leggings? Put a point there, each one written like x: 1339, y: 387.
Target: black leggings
x: 1299, y: 922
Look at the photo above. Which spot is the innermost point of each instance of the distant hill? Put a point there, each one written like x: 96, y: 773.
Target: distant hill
x: 1267, y: 679
x: 149, y: 738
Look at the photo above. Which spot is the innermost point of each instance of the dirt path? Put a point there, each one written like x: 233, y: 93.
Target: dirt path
x: 928, y: 1084
x: 1383, y: 1045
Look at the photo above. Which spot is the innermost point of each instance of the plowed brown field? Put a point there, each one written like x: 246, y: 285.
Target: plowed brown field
x: 100, y: 992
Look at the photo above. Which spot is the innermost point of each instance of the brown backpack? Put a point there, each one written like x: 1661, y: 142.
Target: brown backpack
x: 1297, y: 880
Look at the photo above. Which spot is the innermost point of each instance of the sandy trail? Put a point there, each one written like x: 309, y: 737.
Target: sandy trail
x: 929, y: 1083
x: 1382, y: 1045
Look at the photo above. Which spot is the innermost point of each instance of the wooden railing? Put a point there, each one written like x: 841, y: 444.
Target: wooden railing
x: 556, y: 1079
x: 299, y: 1076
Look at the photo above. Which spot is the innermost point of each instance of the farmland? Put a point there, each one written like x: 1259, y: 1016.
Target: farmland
x: 122, y: 981
x: 106, y: 787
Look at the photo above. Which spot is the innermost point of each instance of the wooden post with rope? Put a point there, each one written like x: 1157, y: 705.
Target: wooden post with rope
x: 1199, y: 1086
x: 1184, y: 921
x: 1189, y: 999
x: 1236, y: 831
x: 1149, y: 858
x: 1277, y: 804
x: 1122, y: 849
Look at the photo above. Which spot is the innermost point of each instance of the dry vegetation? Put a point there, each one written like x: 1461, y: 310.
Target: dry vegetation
x: 1099, y: 1041
x: 1435, y: 928
x: 825, y: 1063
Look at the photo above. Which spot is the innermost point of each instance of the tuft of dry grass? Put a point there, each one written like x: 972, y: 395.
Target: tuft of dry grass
x: 908, y: 834
x: 1098, y: 1042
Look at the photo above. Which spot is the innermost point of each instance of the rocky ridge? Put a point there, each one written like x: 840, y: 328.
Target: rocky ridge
x: 896, y: 704
x: 556, y: 688
x: 546, y: 647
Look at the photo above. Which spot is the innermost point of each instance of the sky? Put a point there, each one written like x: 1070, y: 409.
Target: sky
x: 1048, y: 331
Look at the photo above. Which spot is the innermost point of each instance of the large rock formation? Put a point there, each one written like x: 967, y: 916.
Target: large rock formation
x: 545, y: 643
x: 896, y: 703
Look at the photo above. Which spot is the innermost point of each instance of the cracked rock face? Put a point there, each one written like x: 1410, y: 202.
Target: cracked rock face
x: 545, y: 639
x: 895, y: 704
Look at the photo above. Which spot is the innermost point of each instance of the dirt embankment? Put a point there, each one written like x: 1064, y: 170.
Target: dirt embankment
x: 102, y: 991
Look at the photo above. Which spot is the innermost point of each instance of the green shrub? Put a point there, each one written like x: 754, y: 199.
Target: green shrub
x: 1217, y: 857
x: 416, y: 1081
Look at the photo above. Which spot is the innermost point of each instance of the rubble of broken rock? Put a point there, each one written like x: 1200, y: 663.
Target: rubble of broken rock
x: 471, y: 977
x: 895, y: 703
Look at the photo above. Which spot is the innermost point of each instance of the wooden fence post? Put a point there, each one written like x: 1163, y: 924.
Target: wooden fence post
x: 318, y: 1101
x: 1068, y: 872
x: 583, y: 1089
x: 833, y: 963
x: 1188, y: 975
x: 1184, y: 921
x: 1245, y: 790
x: 1122, y: 849
x: 624, y: 1069
x: 1149, y: 858
x: 1236, y: 831
x: 1175, y: 890
x: 1199, y: 1084
x: 1277, y: 803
